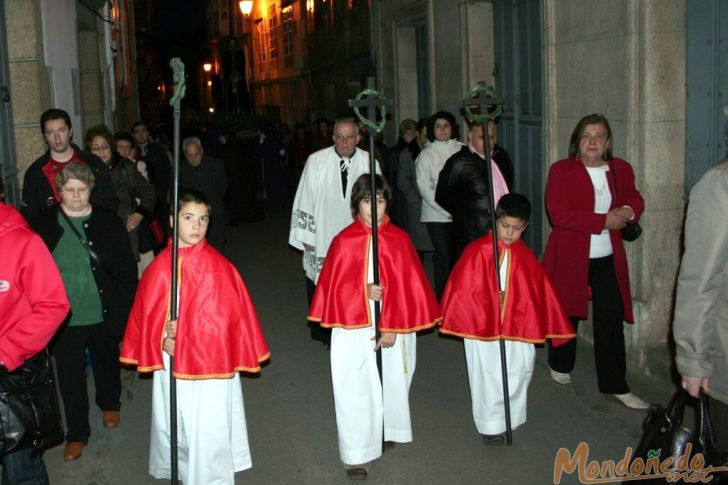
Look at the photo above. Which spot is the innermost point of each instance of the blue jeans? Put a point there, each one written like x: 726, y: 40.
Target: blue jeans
x: 23, y: 468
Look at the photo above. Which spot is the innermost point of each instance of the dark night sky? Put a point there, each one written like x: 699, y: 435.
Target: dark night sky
x: 176, y: 17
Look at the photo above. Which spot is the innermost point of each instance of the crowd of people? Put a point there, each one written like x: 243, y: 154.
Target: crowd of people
x: 77, y: 263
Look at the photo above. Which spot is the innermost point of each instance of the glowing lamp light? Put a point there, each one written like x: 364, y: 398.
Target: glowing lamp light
x: 246, y: 7
x: 207, y: 67
x: 209, y: 83
x: 212, y: 110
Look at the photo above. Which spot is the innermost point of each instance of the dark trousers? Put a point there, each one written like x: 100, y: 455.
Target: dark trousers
x: 317, y: 331
x: 69, y: 352
x: 24, y: 467
x: 441, y: 235
x: 608, y: 315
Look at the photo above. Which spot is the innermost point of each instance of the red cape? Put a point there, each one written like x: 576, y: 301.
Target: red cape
x: 408, y: 305
x: 531, y: 312
x: 218, y: 332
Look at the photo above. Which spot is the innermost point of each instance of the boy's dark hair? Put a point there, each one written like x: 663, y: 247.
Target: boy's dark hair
x: 361, y: 190
x: 125, y: 136
x: 54, y: 114
x: 193, y: 196
x: 513, y: 205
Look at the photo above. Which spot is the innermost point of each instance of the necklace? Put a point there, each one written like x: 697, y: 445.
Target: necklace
x: 600, y: 192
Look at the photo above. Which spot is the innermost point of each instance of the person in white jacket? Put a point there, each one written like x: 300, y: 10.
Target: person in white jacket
x: 442, y: 132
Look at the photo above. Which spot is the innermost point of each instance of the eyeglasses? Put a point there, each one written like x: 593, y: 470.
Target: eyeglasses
x: 100, y: 148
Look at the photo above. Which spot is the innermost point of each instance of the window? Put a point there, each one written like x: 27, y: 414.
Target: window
x: 261, y: 41
x: 274, y: 30
x: 289, y: 30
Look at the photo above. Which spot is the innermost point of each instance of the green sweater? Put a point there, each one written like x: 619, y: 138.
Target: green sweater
x: 75, y: 266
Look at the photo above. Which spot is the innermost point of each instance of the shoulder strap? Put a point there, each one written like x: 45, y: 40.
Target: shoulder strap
x: 84, y: 242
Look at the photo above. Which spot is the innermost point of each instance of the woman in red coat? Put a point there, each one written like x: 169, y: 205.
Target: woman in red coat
x: 590, y: 197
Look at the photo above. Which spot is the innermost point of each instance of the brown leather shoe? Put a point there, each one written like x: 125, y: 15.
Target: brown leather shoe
x: 111, y: 419
x: 72, y: 451
x: 356, y: 473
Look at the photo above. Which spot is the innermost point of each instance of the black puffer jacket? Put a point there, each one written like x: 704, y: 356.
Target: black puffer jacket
x: 462, y: 190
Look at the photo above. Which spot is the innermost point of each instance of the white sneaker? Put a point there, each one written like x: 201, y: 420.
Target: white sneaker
x: 561, y: 377
x: 632, y: 401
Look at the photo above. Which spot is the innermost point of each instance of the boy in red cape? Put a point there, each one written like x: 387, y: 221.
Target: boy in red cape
x: 218, y: 336
x: 344, y: 301
x: 528, y: 313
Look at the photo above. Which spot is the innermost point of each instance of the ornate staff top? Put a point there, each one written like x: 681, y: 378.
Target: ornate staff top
x: 476, y: 99
x: 180, y: 87
x: 378, y: 127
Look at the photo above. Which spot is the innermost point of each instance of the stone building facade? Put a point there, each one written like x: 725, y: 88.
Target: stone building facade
x: 73, y: 55
x: 654, y: 68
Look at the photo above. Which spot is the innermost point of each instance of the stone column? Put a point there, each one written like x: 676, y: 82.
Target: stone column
x: 29, y: 82
x: 626, y: 60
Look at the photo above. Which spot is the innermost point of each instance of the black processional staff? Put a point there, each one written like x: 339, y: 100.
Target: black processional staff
x: 490, y: 108
x: 375, y: 100
x: 179, y: 92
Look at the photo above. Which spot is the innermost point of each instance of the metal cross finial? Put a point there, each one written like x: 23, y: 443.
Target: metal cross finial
x: 482, y: 96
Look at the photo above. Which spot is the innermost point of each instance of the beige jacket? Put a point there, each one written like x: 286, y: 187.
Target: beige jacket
x: 701, y: 307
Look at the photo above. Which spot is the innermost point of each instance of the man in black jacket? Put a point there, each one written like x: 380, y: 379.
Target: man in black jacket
x: 462, y: 188
x: 39, y: 189
x: 159, y: 168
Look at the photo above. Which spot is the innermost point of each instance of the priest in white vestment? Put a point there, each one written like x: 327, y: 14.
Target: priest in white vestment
x: 321, y: 207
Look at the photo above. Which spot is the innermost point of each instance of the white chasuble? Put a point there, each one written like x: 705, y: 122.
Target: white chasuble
x: 321, y: 209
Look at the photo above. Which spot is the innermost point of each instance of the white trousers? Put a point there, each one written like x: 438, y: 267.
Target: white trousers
x: 363, y: 406
x: 486, y: 382
x: 212, y: 434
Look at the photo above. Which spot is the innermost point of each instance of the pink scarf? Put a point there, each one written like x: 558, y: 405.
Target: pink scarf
x: 500, y: 188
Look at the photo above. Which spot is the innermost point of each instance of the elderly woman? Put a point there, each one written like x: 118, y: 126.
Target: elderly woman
x: 590, y: 197
x: 91, y: 248
x: 135, y: 193
x: 442, y: 132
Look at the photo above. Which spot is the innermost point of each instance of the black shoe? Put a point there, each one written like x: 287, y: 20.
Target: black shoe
x: 356, y: 473
x: 493, y: 439
x: 388, y: 445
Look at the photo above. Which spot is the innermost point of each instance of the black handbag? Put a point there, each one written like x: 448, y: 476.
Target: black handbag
x: 29, y: 415
x: 630, y: 232
x: 666, y: 436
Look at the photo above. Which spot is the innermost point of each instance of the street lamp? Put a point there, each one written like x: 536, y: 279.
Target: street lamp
x: 207, y: 67
x: 246, y: 7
